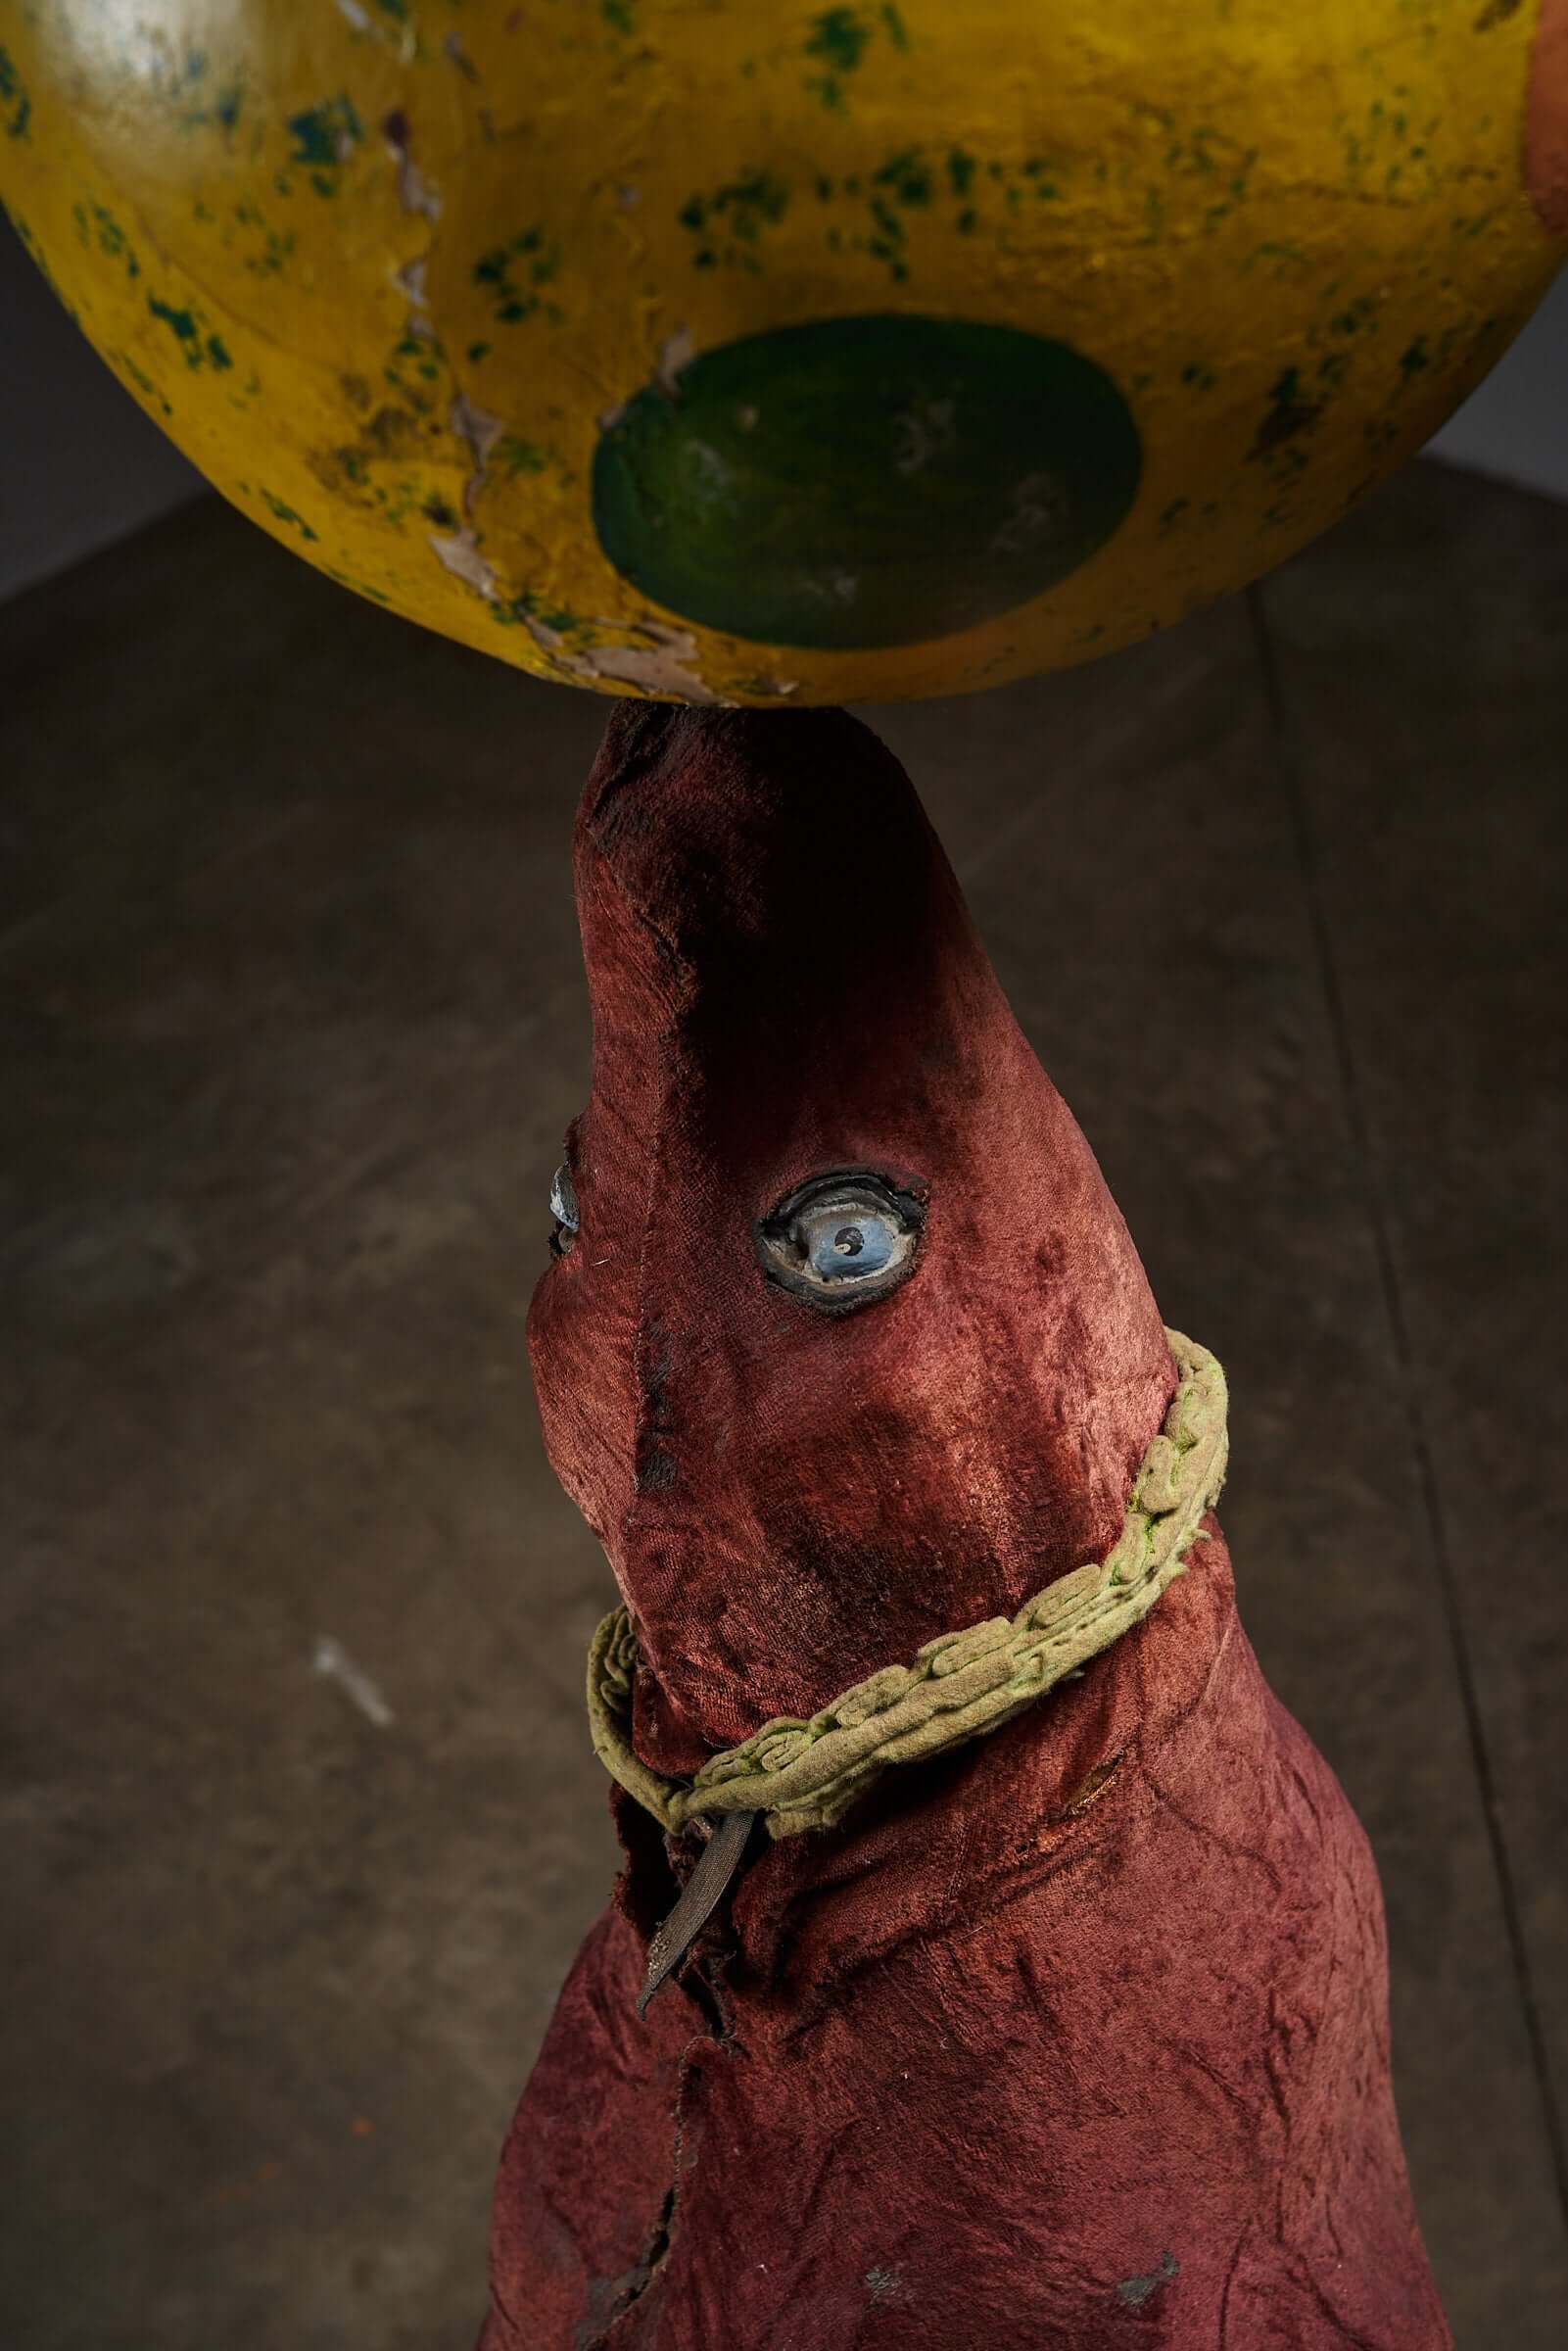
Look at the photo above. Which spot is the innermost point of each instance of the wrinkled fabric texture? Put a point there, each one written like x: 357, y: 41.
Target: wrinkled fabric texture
x: 1076, y: 2037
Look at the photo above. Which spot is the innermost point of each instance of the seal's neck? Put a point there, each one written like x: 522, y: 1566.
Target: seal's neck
x: 934, y: 1850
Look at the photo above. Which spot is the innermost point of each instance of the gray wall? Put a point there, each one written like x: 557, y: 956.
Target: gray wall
x: 1516, y: 426
x: 80, y: 465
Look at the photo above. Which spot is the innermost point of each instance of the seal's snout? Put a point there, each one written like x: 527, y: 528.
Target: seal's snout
x: 734, y: 830
x: 851, y: 1346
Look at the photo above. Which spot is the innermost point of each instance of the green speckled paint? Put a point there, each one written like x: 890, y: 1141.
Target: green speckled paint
x: 111, y: 240
x: 837, y: 45
x: 16, y: 107
x: 513, y: 455
x: 197, y: 346
x: 863, y: 482
x: 286, y: 514
x: 513, y: 275
x: 324, y: 136
x: 726, y: 222
x: 180, y: 324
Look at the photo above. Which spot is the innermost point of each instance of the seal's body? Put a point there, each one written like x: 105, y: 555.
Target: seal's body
x: 1076, y: 2037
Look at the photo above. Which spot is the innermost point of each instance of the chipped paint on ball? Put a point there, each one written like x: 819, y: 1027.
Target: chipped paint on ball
x: 411, y: 282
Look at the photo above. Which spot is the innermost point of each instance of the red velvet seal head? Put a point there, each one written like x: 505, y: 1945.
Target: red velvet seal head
x: 803, y: 1463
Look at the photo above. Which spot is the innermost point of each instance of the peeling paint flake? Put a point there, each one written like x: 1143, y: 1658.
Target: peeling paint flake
x: 476, y: 429
x: 479, y: 431
x: 676, y: 351
x: 663, y: 663
x: 459, y: 57
x: 460, y: 551
x: 415, y: 193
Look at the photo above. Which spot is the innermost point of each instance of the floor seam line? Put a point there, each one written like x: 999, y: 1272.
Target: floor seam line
x: 1290, y: 782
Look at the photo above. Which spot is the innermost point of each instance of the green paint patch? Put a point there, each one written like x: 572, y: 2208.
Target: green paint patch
x: 839, y: 38
x: 619, y: 15
x: 907, y: 182
x: 325, y: 139
x: 197, y: 346
x: 286, y: 514
x: 271, y: 249
x: 512, y: 456
x: 863, y: 482
x: 223, y: 111
x: 15, y: 106
x: 508, y: 611
x: 142, y: 381
x: 906, y: 176
x: 836, y: 46
x: 728, y: 223
x: 377, y: 596
x: 1290, y: 416
x: 910, y: 181
x: 514, y: 275
x: 96, y: 227
x: 180, y: 324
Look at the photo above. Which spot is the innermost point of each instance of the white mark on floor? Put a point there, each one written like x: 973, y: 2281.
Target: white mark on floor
x: 333, y: 1662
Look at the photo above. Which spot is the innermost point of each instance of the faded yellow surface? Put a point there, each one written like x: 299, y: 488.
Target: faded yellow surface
x: 384, y: 267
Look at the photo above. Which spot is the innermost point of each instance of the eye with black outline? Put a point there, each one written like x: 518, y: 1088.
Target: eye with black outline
x: 563, y: 1210
x: 844, y: 1239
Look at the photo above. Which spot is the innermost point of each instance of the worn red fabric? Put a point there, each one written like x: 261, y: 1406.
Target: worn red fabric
x: 1077, y: 2037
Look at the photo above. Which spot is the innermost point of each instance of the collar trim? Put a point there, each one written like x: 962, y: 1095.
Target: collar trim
x: 805, y: 1775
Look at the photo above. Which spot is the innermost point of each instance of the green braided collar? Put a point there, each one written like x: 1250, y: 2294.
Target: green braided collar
x: 805, y: 1775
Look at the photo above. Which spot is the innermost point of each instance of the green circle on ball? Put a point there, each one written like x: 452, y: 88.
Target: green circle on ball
x: 862, y: 482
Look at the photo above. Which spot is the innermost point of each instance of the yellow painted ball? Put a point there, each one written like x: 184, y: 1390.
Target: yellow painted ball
x: 784, y: 352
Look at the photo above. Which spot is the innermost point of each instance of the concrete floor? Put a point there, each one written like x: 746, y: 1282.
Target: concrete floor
x: 295, y: 1022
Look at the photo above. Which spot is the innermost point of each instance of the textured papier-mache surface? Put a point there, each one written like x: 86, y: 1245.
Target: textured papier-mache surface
x: 805, y: 1775
x: 1073, y: 2037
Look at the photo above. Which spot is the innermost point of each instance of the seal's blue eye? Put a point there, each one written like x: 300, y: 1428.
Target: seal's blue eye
x: 842, y: 1239
x: 563, y: 1208
x: 844, y: 1244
